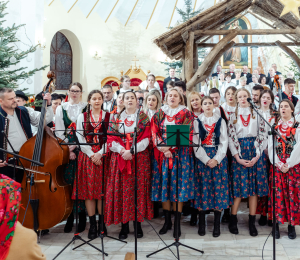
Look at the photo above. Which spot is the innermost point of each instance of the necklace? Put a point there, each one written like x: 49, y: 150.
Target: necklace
x: 209, y: 128
x: 245, y: 122
x: 128, y: 123
x: 171, y: 118
x: 283, y: 129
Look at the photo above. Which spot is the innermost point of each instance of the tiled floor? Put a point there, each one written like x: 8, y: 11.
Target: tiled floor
x: 227, y: 246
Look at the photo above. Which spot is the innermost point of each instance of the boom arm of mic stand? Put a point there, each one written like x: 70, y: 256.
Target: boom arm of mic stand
x: 273, y: 131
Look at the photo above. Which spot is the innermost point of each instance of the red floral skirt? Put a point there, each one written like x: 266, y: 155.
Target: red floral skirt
x: 287, y: 192
x: 89, y: 179
x: 119, y: 206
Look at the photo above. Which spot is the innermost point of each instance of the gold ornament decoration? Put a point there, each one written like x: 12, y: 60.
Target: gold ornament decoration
x: 290, y: 6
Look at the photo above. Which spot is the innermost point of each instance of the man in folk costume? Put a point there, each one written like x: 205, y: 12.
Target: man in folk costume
x: 231, y: 71
x: 289, y: 85
x: 109, y: 102
x: 214, y: 93
x: 170, y: 78
x: 246, y: 74
x: 16, y: 123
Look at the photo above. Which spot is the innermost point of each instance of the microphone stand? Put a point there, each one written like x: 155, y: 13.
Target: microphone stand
x: 133, y: 150
x: 274, y: 133
x: 76, y: 234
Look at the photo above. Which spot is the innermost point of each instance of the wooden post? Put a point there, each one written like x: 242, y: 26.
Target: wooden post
x: 189, y: 57
x: 183, y: 73
x: 196, y: 64
x: 293, y: 55
x: 217, y: 51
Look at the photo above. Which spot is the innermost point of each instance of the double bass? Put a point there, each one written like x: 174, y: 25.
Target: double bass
x: 46, y: 198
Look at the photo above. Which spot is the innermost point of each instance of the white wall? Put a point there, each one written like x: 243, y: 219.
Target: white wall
x: 117, y: 44
x: 30, y: 13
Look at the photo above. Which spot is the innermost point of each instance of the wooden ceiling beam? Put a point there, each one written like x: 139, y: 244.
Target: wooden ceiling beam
x: 250, y: 44
x: 247, y: 32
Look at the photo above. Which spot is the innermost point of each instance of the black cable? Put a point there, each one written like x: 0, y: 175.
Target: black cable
x: 262, y: 251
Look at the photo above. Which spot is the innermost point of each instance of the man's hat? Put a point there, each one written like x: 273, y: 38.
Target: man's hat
x: 21, y: 94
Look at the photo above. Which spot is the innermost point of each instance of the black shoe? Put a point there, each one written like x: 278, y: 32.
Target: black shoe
x: 177, y: 224
x: 45, y: 232
x: 155, y: 209
x: 201, y: 229
x: 252, y: 228
x: 124, y: 231
x: 70, y: 222
x: 99, y: 226
x: 233, y: 224
x: 291, y: 232
x: 194, y: 216
x: 270, y: 223
x: 216, y: 231
x: 277, y: 233
x: 140, y: 233
x: 186, y: 209
x: 168, y: 223
x: 262, y: 220
x: 81, y: 221
x: 93, y: 228
x: 226, y: 216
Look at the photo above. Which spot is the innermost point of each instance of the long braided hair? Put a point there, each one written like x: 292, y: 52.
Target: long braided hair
x: 119, y: 115
x: 237, y: 104
x: 88, y: 112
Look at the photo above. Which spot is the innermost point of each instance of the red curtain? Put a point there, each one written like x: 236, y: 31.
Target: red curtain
x: 135, y: 82
x: 112, y: 83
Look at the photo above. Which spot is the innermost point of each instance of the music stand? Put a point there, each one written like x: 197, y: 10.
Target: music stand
x: 76, y: 234
x: 182, y: 137
x: 104, y: 135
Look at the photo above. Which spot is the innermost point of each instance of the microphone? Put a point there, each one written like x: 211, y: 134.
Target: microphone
x: 252, y: 103
x: 141, y: 99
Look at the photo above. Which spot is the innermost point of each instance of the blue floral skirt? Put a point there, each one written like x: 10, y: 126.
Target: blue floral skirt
x: 164, y: 182
x: 248, y: 181
x: 211, y: 185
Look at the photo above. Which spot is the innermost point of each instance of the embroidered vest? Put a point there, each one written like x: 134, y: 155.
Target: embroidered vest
x: 66, y: 119
x: 90, y: 129
x: 290, y: 146
x: 24, y: 119
x: 216, y: 135
x: 294, y: 99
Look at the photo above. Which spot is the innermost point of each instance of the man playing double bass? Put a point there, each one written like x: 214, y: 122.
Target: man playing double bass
x: 15, y: 122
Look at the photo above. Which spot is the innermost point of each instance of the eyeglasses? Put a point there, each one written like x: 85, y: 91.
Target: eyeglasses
x: 75, y: 91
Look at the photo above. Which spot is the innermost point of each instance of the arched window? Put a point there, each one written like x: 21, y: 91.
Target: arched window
x: 61, y: 61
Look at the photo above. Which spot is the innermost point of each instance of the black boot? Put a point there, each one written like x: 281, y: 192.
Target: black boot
x: 233, y: 224
x: 168, y: 223
x: 124, y: 231
x: 81, y: 221
x: 140, y: 233
x: 252, y: 228
x: 201, y: 229
x: 70, y: 222
x: 177, y: 224
x: 194, y: 215
x: 277, y: 233
x: 216, y: 231
x: 93, y: 228
x: 226, y: 216
x: 291, y: 232
x: 270, y: 223
x: 262, y: 220
x: 99, y: 226
x: 155, y: 209
x: 186, y: 209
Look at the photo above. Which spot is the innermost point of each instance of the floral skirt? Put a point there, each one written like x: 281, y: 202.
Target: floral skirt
x: 120, y: 206
x: 90, y: 179
x: 287, y: 192
x: 211, y: 185
x: 164, y: 182
x: 248, y: 181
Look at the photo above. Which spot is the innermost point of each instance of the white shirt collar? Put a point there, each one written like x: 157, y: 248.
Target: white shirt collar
x: 209, y: 120
x: 245, y: 111
x: 172, y: 111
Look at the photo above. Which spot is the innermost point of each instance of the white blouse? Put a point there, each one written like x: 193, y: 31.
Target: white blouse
x: 228, y: 109
x: 294, y: 159
x: 87, y: 149
x: 141, y: 146
x: 150, y: 113
x: 241, y: 131
x: 223, y: 139
x: 271, y: 120
x: 73, y: 112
